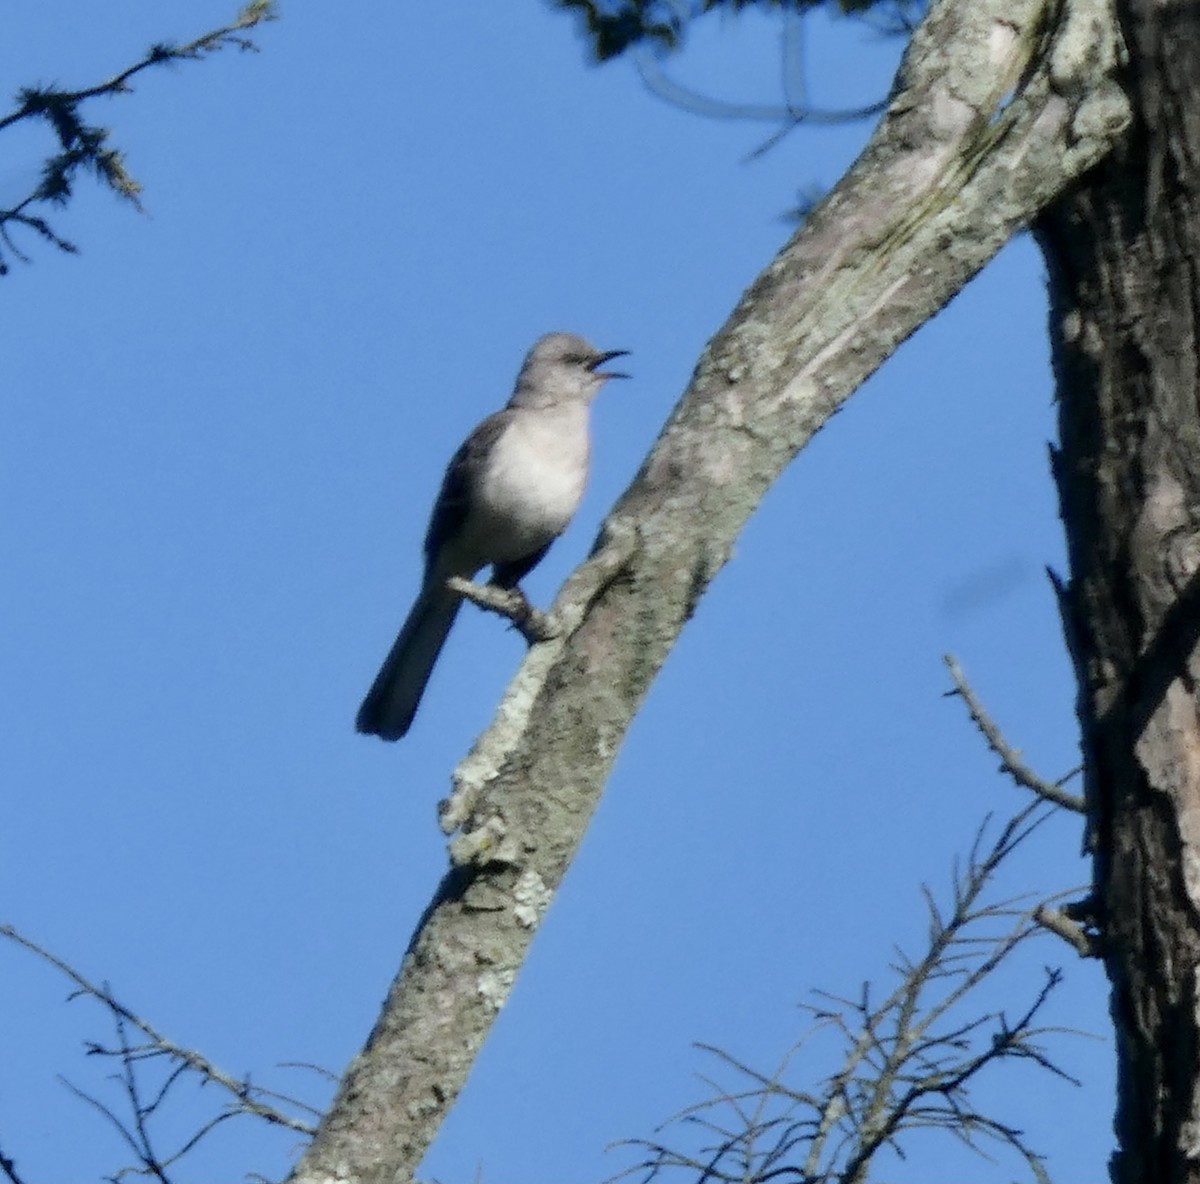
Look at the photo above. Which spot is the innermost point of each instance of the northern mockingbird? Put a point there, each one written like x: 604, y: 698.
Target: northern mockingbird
x: 508, y: 493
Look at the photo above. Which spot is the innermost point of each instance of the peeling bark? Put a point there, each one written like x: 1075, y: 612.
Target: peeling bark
x: 999, y: 105
x: 1124, y: 255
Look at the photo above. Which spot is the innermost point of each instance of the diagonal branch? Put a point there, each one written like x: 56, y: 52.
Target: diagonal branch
x: 160, y: 1044
x: 9, y: 1168
x: 1010, y: 759
x: 157, y: 55
x: 85, y: 146
x: 999, y: 105
x: 907, y: 1061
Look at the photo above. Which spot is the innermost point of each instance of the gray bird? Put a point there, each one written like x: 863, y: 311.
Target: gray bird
x: 508, y: 493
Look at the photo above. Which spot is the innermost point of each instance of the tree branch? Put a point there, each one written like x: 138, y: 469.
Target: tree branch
x: 9, y: 1168
x: 1085, y: 944
x: 906, y: 1061
x: 512, y: 603
x: 160, y: 1045
x: 999, y: 105
x: 85, y: 146
x: 1010, y: 759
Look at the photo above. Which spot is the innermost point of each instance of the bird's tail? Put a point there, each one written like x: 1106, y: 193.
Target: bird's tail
x: 392, y: 701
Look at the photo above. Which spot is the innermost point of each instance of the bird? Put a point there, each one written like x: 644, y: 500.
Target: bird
x: 509, y: 491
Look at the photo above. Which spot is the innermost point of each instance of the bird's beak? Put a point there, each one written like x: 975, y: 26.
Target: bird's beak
x: 608, y: 356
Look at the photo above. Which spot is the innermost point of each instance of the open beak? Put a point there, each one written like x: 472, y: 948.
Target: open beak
x: 608, y: 356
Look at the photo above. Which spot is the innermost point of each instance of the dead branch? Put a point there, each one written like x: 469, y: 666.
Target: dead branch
x: 908, y: 1060
x: 1010, y: 759
x: 145, y: 1097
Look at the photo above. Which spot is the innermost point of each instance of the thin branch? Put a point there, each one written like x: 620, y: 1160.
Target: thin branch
x: 254, y: 13
x: 658, y: 83
x: 319, y: 1070
x: 535, y: 626
x: 118, y: 1125
x: 1085, y: 944
x: 195, y: 1061
x: 85, y: 146
x: 795, y: 109
x: 907, y: 1064
x: 9, y: 1168
x: 1010, y: 759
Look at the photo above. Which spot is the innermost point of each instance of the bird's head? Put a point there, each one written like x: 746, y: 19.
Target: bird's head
x: 563, y: 367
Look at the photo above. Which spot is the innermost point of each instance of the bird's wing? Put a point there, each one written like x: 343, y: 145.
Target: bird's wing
x: 454, y: 498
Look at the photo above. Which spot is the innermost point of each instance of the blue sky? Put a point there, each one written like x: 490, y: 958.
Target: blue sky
x: 222, y: 428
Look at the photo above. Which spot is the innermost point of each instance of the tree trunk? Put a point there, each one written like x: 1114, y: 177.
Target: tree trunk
x: 1123, y: 250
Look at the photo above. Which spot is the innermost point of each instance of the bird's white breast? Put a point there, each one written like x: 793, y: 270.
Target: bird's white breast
x: 533, y: 482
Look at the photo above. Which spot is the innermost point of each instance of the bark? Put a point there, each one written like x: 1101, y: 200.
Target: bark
x: 999, y: 105
x: 1124, y: 256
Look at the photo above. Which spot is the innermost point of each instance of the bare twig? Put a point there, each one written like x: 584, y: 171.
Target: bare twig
x: 9, y: 1168
x: 646, y: 30
x: 908, y: 1062
x: 655, y: 79
x: 146, y: 1090
x: 160, y: 1044
x: 1010, y: 759
x: 319, y: 1070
